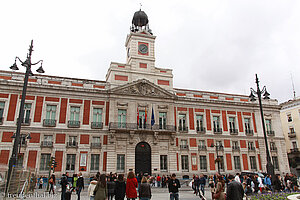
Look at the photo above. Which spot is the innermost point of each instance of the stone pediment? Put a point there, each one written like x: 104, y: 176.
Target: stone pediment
x: 142, y: 87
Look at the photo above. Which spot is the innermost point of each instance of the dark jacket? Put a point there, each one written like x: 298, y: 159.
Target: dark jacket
x: 120, y: 190
x: 173, y: 185
x: 64, y: 182
x: 145, y: 190
x: 235, y: 191
x: 111, y: 187
x: 79, y: 182
x: 202, y: 181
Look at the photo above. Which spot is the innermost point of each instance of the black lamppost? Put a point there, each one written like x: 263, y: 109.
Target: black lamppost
x: 27, y: 64
x: 218, y: 160
x: 270, y: 167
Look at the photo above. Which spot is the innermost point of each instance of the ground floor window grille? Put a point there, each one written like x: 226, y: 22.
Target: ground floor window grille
x: 163, y: 162
x: 120, y: 162
x: 185, y: 163
x: 71, y: 162
x: 203, y: 163
x: 45, y: 161
x: 253, y: 162
x: 237, y: 162
x: 95, y: 162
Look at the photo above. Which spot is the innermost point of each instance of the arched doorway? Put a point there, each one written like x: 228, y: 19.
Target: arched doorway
x: 143, y: 158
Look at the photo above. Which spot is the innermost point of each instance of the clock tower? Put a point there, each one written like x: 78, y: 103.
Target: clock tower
x: 140, y: 59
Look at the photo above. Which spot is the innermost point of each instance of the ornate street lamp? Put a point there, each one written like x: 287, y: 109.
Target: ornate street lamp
x: 27, y: 64
x: 258, y: 93
x: 218, y: 160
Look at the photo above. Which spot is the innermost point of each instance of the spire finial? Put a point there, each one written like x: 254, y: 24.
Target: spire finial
x: 294, y: 92
x: 140, y: 6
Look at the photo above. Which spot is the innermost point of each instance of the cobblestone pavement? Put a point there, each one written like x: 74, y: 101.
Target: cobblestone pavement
x: 157, y: 194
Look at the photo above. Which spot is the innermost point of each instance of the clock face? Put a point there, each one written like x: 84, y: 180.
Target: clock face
x: 143, y: 48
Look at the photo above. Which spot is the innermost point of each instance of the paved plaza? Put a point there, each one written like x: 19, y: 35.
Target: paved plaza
x: 157, y: 194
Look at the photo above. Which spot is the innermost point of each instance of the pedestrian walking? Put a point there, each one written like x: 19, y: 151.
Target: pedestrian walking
x: 158, y: 179
x: 52, y: 183
x: 91, y: 188
x: 202, y: 182
x: 131, y: 186
x: 145, y: 190
x: 100, y: 191
x: 64, y: 183
x: 120, y: 188
x: 173, y: 185
x: 235, y: 189
x: 219, y: 192
x: 111, y: 188
x: 41, y: 182
x: 79, y: 185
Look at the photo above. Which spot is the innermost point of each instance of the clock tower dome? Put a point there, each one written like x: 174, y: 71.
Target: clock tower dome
x: 140, y: 59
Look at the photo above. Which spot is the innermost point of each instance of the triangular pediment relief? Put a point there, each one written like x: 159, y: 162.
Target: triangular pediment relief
x: 142, y: 87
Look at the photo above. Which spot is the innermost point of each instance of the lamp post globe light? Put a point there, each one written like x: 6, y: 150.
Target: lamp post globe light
x: 27, y: 64
x: 259, y: 93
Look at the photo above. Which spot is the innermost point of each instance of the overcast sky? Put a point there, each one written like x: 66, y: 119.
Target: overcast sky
x: 210, y: 45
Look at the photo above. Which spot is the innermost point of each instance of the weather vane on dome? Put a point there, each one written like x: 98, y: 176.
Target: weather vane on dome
x: 140, y: 6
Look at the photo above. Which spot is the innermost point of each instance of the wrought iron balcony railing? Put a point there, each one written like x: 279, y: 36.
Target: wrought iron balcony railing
x: 218, y: 131
x: 146, y: 127
x: 233, y: 131
x: 97, y: 125
x: 73, y: 124
x: 295, y: 150
x: 184, y: 146
x: 270, y: 133
x: 202, y: 148
x: 95, y: 145
x: 183, y: 129
x: 49, y: 122
x: 235, y: 148
x: 72, y: 144
x: 25, y: 121
x: 47, y: 144
x: 200, y: 129
x: 292, y: 134
x: 251, y: 148
x: 249, y: 132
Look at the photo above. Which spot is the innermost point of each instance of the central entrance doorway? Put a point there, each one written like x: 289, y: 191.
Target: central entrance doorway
x: 143, y: 158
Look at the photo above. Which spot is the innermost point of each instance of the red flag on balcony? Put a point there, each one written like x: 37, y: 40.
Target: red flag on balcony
x: 138, y: 115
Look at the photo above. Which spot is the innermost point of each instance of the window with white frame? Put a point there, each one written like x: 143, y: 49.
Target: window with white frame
x: 199, y: 122
x: 289, y: 118
x: 203, y: 163
x: 95, y: 162
x: 70, y: 164
x: 2, y: 104
x: 251, y: 145
x: 74, y: 113
x: 122, y: 118
x: 97, y: 115
x: 237, y: 162
x: 216, y: 123
x: 163, y: 162
x: 201, y: 144
x: 185, y: 163
x: 27, y: 109
x: 182, y: 122
x: 232, y: 126
x: 142, y: 119
x: 273, y: 146
x: 235, y: 145
x: 247, y: 125
x: 268, y: 125
x: 183, y: 144
x: 275, y: 162
x: 45, y: 161
x: 51, y: 112
x: 253, y: 162
x: 72, y: 141
x: 121, y: 162
x: 162, y: 120
x: 294, y: 145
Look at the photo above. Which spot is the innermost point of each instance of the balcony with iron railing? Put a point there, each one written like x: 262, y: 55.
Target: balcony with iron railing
x: 95, y: 145
x: 141, y: 127
x: 218, y: 130
x: 183, y: 129
x: 49, y: 122
x: 248, y: 132
x: 251, y: 148
x: 73, y: 124
x: 72, y: 144
x: 292, y: 134
x: 184, y: 146
x: 200, y: 129
x: 233, y: 131
x: 97, y: 125
x: 202, y: 148
x: 295, y: 150
x: 46, y: 144
x: 235, y: 148
x: 273, y: 149
x: 25, y: 121
x: 270, y: 133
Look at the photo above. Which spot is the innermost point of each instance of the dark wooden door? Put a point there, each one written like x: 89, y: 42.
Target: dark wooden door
x: 143, y: 158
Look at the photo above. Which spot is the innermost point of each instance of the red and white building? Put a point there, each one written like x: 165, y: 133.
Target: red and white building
x: 108, y: 126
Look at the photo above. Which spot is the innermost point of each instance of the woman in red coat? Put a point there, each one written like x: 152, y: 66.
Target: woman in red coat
x: 131, y: 186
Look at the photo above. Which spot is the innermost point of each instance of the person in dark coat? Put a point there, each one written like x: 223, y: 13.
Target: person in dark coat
x: 64, y: 183
x: 234, y: 189
x: 173, y: 185
x: 145, y: 190
x: 111, y: 188
x: 120, y: 188
x: 79, y: 185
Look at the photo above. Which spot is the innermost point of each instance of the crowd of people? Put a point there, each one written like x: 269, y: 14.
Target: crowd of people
x: 238, y: 186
